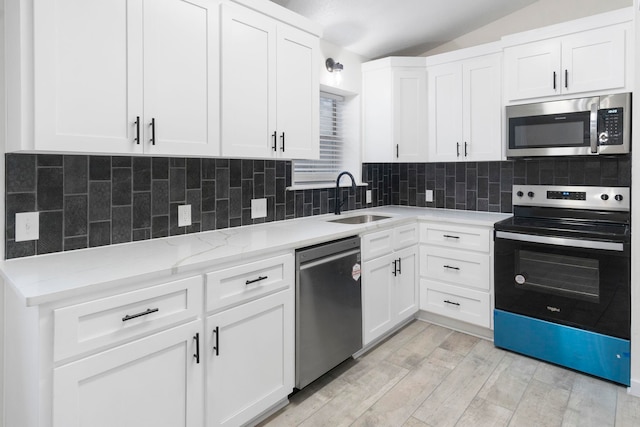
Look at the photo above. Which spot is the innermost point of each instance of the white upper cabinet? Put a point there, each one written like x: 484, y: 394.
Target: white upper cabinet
x: 394, y: 110
x: 181, y: 77
x: 99, y: 73
x: 465, y: 110
x: 586, y: 61
x: 270, y: 87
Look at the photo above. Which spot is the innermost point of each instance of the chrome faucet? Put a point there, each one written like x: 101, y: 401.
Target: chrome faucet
x: 353, y: 187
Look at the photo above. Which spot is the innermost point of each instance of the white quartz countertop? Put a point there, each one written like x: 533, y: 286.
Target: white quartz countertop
x: 49, y: 278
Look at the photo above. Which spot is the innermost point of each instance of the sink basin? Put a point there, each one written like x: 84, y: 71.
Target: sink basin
x: 359, y: 219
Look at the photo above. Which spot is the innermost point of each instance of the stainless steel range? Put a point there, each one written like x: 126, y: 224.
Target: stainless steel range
x: 562, y: 278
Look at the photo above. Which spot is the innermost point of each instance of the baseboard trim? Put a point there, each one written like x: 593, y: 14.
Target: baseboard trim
x: 634, y: 388
x: 456, y: 325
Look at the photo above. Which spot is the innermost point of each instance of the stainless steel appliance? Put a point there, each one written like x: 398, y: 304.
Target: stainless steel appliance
x: 328, y: 307
x: 584, y: 126
x: 562, y: 278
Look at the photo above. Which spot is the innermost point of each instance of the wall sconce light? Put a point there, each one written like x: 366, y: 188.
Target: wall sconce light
x: 333, y: 65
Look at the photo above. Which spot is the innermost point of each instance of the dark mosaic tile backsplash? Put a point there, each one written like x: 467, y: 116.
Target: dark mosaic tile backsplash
x: 89, y: 201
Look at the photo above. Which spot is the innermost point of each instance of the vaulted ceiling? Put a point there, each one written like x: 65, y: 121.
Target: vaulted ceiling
x: 376, y: 28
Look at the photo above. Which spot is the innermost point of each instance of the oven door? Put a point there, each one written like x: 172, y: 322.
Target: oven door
x: 580, y: 283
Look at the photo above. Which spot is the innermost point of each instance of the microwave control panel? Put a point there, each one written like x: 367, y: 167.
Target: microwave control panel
x: 610, y: 126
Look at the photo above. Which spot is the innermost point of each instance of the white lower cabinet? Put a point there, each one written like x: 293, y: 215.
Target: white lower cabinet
x: 250, y: 359
x: 456, y: 270
x: 389, y: 281
x: 250, y: 339
x: 153, y: 381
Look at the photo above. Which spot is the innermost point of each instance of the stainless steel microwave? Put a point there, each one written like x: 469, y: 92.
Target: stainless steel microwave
x: 573, y: 127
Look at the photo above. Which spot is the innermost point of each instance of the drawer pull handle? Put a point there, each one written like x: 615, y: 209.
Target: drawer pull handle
x: 451, y: 267
x: 144, y: 313
x: 449, y: 236
x: 216, y: 347
x: 259, y: 279
x: 451, y: 302
x: 197, y: 355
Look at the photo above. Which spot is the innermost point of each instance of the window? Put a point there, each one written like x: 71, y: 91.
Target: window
x: 330, y: 164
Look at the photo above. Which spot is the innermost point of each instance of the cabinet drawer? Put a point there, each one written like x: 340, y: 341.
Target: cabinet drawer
x: 377, y: 244
x: 235, y: 285
x: 458, y: 303
x: 464, y: 268
x: 109, y: 321
x: 456, y: 236
x: 405, y: 235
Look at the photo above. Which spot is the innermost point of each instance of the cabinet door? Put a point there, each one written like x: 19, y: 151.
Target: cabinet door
x: 377, y: 288
x: 298, y: 94
x: 252, y: 365
x: 377, y: 111
x: 406, y: 285
x: 594, y: 60
x: 88, y: 75
x: 181, y: 77
x: 532, y: 70
x: 154, y: 381
x: 445, y: 112
x: 410, y: 115
x: 482, y: 108
x: 248, y: 81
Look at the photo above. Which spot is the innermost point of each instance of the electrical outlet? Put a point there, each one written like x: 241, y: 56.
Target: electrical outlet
x: 258, y: 208
x: 428, y: 196
x: 184, y: 215
x: 27, y: 226
x: 368, y: 196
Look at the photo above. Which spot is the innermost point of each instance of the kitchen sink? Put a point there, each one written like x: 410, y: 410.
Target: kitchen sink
x: 359, y: 219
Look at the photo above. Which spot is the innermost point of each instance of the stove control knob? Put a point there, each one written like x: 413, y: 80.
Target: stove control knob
x: 618, y: 197
x: 520, y: 194
x: 604, y: 197
x: 530, y: 194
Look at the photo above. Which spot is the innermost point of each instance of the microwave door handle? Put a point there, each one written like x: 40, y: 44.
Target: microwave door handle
x: 593, y: 128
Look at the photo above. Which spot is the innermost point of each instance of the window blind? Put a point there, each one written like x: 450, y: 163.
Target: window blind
x: 330, y: 164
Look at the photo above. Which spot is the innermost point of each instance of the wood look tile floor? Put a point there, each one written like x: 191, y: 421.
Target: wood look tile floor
x: 428, y: 375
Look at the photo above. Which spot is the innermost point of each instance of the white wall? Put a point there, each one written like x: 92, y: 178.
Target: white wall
x: 635, y: 221
x: 536, y: 15
x: 347, y: 83
x: 2, y: 214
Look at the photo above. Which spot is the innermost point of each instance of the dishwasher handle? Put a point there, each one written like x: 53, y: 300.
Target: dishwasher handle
x: 325, y: 260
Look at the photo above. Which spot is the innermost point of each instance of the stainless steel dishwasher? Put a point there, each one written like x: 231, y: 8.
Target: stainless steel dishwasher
x: 328, y: 307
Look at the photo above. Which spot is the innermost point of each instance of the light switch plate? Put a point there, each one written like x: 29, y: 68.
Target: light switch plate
x: 428, y: 196
x: 27, y: 226
x: 184, y: 215
x: 258, y: 208
x: 368, y: 196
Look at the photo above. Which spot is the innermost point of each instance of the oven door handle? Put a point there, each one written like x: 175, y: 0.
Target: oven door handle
x: 593, y: 128
x: 561, y: 241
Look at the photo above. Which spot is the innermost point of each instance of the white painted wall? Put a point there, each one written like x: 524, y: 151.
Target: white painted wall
x: 347, y: 83
x: 349, y: 80
x: 536, y: 15
x: 2, y: 212
x: 635, y: 221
